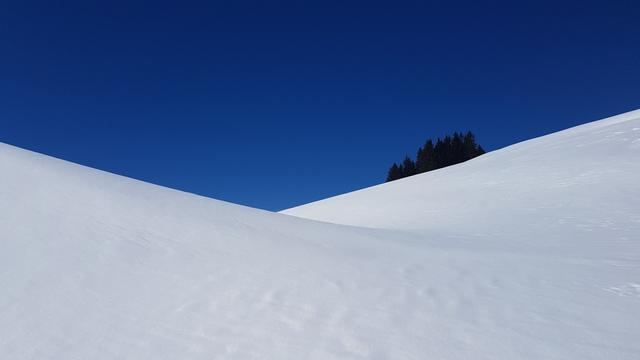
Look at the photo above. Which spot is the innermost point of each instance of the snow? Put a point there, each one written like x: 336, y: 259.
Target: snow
x: 573, y: 191
x: 529, y: 252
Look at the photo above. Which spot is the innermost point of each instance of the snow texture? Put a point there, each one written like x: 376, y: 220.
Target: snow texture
x: 529, y: 252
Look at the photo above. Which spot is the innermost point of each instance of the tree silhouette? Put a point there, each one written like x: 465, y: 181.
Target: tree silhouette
x: 450, y: 150
x: 394, y: 173
x: 408, y: 167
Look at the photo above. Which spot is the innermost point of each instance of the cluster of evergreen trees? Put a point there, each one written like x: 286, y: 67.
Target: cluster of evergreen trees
x: 451, y: 150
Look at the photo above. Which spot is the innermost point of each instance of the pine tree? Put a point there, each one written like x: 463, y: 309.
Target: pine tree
x: 450, y: 150
x: 438, y: 155
x: 457, y: 149
x: 394, y: 173
x: 408, y: 167
x: 469, y: 144
x: 447, y: 156
x: 425, y: 158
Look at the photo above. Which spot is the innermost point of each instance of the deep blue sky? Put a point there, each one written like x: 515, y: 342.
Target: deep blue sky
x: 273, y: 104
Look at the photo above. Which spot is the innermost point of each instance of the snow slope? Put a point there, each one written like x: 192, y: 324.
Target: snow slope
x: 98, y: 266
x: 572, y: 191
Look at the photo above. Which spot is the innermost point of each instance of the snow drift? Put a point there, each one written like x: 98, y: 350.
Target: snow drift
x: 525, y: 253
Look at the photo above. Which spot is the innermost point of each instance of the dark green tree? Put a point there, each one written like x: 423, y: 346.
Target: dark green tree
x: 450, y: 150
x: 457, y: 149
x: 408, y: 167
x: 394, y: 173
x: 425, y: 157
x: 471, y: 148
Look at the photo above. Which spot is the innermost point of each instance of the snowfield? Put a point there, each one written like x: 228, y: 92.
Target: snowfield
x: 528, y: 252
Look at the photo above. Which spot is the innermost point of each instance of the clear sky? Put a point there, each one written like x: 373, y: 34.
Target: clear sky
x: 274, y: 104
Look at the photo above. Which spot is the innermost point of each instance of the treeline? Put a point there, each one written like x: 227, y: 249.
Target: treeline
x: 453, y: 149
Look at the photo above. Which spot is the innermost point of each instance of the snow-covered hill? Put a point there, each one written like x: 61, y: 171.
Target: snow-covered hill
x: 574, y: 190
x: 530, y: 252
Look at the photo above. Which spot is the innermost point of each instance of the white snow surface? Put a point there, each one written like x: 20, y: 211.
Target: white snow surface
x: 529, y: 252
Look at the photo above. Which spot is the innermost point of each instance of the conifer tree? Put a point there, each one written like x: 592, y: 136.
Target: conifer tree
x: 425, y: 158
x: 408, y: 167
x: 457, y: 149
x: 394, y: 173
x: 450, y: 150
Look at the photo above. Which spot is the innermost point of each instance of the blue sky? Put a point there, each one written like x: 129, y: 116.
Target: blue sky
x: 274, y: 104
